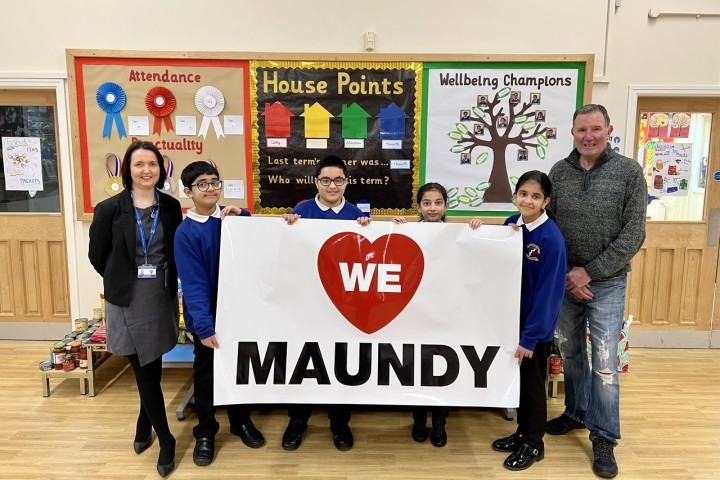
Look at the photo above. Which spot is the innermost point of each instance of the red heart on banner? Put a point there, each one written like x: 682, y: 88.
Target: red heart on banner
x: 370, y: 283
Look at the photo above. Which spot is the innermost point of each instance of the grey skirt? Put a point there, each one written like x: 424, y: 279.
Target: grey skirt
x: 149, y: 326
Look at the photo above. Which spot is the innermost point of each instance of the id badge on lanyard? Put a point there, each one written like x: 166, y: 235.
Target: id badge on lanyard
x: 145, y: 270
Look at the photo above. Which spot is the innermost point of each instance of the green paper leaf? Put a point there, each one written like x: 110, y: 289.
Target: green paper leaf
x: 504, y: 92
x: 479, y: 112
x: 482, y: 158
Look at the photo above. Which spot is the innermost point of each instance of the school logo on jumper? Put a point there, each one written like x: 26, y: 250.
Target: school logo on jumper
x: 532, y: 252
x: 370, y: 283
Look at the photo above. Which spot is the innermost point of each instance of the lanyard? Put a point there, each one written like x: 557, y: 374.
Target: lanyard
x: 146, y: 243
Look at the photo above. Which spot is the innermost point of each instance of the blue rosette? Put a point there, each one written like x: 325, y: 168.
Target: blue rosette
x: 111, y: 99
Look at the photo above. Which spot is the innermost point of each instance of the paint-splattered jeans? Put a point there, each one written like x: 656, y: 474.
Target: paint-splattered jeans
x: 592, y: 392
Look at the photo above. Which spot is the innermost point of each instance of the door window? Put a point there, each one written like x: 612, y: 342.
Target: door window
x: 31, y: 122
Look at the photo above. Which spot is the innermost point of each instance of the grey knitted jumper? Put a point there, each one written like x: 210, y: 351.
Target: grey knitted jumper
x: 601, y: 212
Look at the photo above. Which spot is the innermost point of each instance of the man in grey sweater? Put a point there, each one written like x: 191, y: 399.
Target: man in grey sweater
x: 599, y: 202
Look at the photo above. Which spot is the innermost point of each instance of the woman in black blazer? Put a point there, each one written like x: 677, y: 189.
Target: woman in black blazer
x: 131, y: 245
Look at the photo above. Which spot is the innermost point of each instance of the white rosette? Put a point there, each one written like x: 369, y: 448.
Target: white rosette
x: 210, y: 102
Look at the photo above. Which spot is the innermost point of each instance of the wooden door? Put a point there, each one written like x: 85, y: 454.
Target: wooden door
x: 33, y: 259
x: 671, y: 290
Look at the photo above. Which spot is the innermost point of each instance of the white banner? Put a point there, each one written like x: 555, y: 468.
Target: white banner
x: 329, y: 312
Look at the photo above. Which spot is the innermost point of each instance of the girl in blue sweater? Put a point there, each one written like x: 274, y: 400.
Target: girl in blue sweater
x: 543, y: 288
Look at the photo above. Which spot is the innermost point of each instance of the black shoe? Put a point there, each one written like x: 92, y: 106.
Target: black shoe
x: 562, y: 425
x: 165, y: 470
x: 167, y: 454
x: 604, y: 464
x: 508, y: 444
x: 141, y: 446
x: 292, y: 438
x: 204, y: 452
x: 343, y: 437
x: 523, y: 458
x: 249, y: 435
x: 438, y: 437
x: 419, y: 431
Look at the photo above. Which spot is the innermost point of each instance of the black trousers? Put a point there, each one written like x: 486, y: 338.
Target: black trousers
x: 338, y: 414
x: 532, y: 413
x: 203, y: 375
x: 439, y: 414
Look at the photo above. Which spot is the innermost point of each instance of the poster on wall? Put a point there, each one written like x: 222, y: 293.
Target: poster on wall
x: 671, y: 168
x: 487, y: 124
x: 190, y: 109
x: 365, y: 113
x: 658, y: 128
x: 22, y: 164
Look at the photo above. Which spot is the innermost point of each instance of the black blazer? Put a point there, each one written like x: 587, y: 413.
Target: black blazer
x: 113, y: 235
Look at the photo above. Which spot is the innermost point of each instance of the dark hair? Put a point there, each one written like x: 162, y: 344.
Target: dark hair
x: 535, y: 176
x: 125, y: 169
x: 592, y: 108
x: 331, y: 161
x: 195, y: 169
x: 429, y: 187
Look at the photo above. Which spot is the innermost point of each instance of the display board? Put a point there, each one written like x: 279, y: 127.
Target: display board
x: 191, y: 109
x: 488, y: 123
x: 366, y: 113
x: 266, y: 119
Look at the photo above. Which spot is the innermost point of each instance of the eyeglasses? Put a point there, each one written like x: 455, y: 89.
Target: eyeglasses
x: 338, y: 181
x: 203, y: 186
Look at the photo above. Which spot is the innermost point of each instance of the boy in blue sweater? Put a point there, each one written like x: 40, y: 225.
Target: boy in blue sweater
x: 543, y: 289
x: 329, y: 204
x: 197, y: 255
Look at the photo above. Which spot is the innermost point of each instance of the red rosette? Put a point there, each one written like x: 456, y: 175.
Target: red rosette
x: 160, y: 102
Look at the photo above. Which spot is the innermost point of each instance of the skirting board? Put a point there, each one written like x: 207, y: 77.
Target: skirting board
x: 34, y: 330
x: 674, y: 339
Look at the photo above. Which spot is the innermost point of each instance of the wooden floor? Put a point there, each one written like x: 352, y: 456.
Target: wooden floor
x: 670, y: 408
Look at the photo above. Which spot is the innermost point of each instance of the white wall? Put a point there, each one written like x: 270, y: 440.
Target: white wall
x: 629, y: 47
